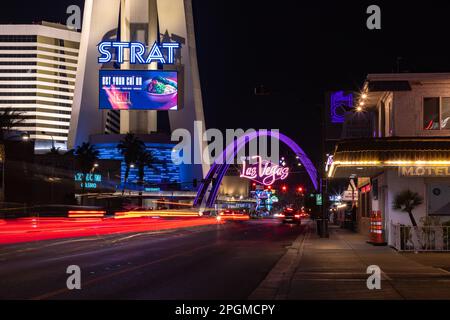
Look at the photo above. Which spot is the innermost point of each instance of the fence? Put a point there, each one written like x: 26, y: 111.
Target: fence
x: 422, y: 238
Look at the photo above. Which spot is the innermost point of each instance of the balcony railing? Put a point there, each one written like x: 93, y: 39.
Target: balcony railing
x: 422, y: 238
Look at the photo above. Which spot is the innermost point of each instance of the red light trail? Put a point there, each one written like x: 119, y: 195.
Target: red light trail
x: 36, y: 229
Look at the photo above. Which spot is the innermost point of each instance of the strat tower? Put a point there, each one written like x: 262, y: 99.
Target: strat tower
x: 150, y: 23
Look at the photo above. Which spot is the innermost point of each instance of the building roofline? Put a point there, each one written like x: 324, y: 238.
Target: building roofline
x: 47, y: 29
x: 407, y: 76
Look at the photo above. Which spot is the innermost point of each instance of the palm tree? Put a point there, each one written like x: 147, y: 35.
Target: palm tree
x: 54, y: 151
x: 144, y: 159
x: 130, y: 148
x: 9, y: 119
x: 86, y: 156
x: 407, y: 201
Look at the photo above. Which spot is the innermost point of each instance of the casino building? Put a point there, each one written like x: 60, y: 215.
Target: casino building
x: 50, y: 74
x: 146, y: 22
x: 38, y: 66
x: 409, y: 148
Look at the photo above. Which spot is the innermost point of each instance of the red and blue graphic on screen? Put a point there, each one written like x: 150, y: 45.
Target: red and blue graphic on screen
x: 138, y: 90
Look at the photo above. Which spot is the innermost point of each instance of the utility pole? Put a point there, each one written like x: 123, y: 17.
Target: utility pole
x: 323, y: 228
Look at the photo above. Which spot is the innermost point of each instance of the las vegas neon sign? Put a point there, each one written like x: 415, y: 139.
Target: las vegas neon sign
x: 263, y: 171
x: 138, y: 52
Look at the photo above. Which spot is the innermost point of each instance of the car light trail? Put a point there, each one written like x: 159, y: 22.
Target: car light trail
x: 86, y: 214
x: 233, y: 217
x: 155, y: 213
x: 36, y: 229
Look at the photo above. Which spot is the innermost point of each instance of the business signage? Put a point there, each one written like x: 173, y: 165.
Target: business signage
x: 138, y: 90
x: 92, y: 180
x: 349, y: 195
x: 263, y: 171
x: 161, y: 53
x: 424, y: 171
x: 319, y: 201
x: 340, y: 104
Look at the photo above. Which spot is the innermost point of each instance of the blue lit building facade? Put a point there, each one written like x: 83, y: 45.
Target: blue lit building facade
x: 162, y: 175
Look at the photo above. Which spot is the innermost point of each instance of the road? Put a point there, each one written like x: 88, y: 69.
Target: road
x: 224, y: 261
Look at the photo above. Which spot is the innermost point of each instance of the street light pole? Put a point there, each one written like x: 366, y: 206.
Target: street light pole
x: 323, y: 180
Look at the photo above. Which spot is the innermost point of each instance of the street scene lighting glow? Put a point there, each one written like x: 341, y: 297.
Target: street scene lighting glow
x: 138, y: 156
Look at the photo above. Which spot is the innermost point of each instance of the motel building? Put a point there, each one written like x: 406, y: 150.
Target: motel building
x: 408, y: 148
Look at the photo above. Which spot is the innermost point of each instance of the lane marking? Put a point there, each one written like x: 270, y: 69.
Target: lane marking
x: 114, y: 274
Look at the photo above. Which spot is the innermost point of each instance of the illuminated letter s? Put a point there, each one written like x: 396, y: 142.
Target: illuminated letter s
x: 103, y: 49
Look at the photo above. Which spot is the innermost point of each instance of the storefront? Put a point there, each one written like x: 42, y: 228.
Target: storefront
x: 384, y: 167
x: 408, y: 149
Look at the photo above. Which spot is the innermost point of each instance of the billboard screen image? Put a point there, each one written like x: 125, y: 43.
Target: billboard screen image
x: 138, y: 90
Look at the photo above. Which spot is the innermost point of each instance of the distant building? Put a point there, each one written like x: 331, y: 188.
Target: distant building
x: 38, y: 65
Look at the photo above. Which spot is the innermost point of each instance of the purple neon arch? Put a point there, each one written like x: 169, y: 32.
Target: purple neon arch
x: 219, y: 168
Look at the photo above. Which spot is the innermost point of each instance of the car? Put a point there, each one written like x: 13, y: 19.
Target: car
x: 290, y: 215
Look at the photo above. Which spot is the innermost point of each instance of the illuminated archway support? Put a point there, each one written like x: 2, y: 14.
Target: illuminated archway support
x: 207, y: 193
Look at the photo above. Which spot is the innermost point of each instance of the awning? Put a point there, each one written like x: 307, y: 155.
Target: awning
x: 366, y: 157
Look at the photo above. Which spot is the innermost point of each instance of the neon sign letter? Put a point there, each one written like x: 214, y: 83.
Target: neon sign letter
x: 137, y: 52
x: 263, y: 171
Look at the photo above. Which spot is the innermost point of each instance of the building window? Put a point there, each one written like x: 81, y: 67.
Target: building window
x: 436, y: 113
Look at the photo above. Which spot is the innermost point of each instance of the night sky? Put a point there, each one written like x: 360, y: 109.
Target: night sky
x: 296, y: 49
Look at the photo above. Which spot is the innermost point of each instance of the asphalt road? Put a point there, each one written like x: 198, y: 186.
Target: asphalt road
x: 225, y: 261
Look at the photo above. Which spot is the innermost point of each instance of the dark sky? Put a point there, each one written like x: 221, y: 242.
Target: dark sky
x: 298, y: 49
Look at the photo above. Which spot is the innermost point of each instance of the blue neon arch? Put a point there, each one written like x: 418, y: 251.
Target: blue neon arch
x: 219, y: 168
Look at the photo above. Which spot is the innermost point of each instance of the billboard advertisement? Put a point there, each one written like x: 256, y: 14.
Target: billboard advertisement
x: 138, y: 90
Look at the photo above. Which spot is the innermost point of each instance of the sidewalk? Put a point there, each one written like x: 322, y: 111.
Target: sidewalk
x: 335, y: 268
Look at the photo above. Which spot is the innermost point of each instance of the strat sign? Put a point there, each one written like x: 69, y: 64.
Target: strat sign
x: 137, y: 52
x: 263, y: 171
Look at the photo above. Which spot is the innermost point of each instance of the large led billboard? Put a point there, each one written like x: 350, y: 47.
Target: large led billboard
x: 138, y: 90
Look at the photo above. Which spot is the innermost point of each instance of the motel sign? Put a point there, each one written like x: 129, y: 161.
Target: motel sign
x: 411, y: 171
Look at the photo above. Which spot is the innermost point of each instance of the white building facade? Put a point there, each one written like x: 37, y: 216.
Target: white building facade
x: 410, y: 149
x: 38, y: 66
